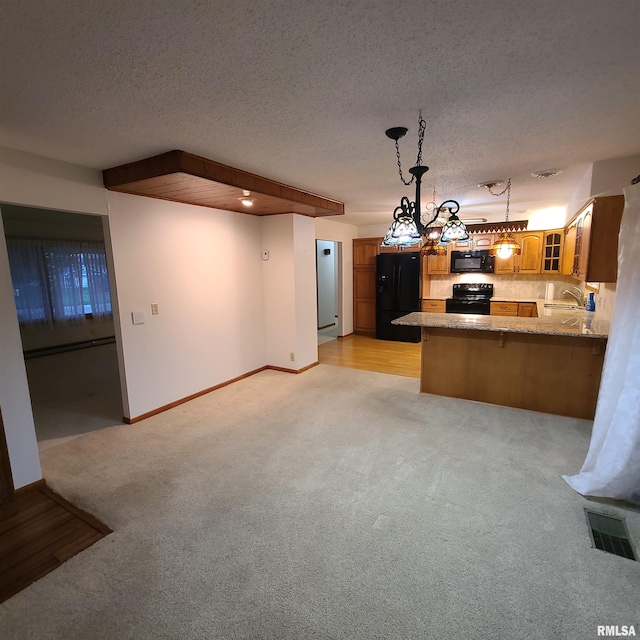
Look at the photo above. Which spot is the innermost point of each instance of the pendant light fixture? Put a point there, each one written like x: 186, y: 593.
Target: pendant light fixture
x: 407, y: 227
x: 506, y: 245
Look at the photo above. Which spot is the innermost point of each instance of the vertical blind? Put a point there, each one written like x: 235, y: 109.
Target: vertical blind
x: 59, y: 281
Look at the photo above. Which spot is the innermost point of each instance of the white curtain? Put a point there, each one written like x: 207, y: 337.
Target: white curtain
x: 612, y: 466
x: 29, y: 276
x: 63, y: 261
x: 59, y: 282
x: 95, y: 262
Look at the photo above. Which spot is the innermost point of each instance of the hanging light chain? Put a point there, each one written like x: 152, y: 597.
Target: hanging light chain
x: 421, y: 128
x: 507, y: 189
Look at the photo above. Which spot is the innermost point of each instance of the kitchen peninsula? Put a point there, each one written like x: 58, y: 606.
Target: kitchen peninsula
x: 552, y: 363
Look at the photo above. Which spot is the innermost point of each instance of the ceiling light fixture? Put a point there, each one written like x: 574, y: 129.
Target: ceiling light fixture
x: 407, y: 227
x: 246, y: 199
x: 506, y: 245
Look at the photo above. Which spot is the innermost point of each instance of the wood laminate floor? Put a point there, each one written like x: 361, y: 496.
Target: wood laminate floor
x: 38, y: 532
x: 361, y: 352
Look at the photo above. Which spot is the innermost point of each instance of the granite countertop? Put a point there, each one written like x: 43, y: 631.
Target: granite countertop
x: 553, y: 322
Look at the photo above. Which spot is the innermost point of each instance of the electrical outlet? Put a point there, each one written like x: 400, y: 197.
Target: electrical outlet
x: 154, y: 309
x: 292, y: 357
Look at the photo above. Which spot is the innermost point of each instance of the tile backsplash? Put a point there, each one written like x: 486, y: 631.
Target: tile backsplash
x: 516, y: 287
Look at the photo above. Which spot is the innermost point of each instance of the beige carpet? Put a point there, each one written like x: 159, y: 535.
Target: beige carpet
x: 332, y: 504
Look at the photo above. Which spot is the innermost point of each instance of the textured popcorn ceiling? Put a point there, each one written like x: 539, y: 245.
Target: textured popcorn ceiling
x: 301, y: 92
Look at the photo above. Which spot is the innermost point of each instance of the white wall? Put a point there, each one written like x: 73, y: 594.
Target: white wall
x: 304, y: 239
x: 343, y: 233
x: 373, y: 230
x: 202, y: 267
x: 611, y: 177
x: 279, y: 290
x: 15, y: 402
x: 326, y: 268
x: 290, y: 290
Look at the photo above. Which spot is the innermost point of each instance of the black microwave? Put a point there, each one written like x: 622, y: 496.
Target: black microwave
x: 471, y: 262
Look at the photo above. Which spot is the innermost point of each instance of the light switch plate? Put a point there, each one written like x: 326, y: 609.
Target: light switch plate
x: 154, y: 309
x: 137, y: 317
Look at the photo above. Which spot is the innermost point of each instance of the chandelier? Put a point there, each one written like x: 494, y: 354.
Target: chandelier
x: 408, y: 227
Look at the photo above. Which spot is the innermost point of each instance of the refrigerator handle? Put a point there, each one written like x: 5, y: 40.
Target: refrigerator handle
x: 398, y: 280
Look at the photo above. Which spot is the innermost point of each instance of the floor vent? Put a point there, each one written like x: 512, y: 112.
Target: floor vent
x: 610, y: 534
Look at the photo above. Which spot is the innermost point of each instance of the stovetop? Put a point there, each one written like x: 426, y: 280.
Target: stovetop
x: 472, y: 291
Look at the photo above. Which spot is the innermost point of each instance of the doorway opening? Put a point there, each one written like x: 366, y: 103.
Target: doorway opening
x: 62, y: 291
x: 329, y: 286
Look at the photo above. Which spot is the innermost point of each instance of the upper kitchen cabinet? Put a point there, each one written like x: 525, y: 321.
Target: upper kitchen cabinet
x: 438, y: 265
x: 552, y: 245
x: 482, y: 241
x: 530, y: 257
x: 365, y: 251
x: 591, y: 242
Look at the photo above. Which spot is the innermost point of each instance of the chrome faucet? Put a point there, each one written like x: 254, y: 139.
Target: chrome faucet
x: 578, y: 298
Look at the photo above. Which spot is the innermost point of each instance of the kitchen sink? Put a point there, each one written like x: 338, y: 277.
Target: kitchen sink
x: 561, y: 305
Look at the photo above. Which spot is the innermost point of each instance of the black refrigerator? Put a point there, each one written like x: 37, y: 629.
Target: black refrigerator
x: 397, y: 293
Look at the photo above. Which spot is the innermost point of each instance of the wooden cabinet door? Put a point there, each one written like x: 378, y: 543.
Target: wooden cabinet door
x: 364, y: 321
x: 365, y: 251
x: 531, y: 252
x: 569, y: 250
x: 438, y: 265
x: 583, y: 263
x: 364, y: 284
x: 434, y: 306
x: 504, y: 308
x: 503, y: 266
x: 527, y: 310
x: 552, y: 256
x: 482, y: 241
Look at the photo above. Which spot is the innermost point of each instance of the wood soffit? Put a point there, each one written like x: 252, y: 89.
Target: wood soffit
x: 183, y: 177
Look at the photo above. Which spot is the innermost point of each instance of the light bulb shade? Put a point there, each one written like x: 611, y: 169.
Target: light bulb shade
x: 403, y: 232
x: 453, y: 230
x: 433, y: 248
x: 505, y: 247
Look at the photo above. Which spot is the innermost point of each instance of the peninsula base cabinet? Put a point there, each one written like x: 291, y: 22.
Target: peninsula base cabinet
x: 549, y: 373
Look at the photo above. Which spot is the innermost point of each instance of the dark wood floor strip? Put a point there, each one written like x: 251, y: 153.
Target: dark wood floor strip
x: 39, y: 531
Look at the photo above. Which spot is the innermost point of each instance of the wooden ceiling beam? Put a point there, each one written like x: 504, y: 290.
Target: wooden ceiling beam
x: 183, y: 177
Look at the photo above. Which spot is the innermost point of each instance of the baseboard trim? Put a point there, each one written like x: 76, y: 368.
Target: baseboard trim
x: 204, y: 392
x: 38, y: 485
x: 345, y: 336
x: 285, y: 370
x: 193, y: 396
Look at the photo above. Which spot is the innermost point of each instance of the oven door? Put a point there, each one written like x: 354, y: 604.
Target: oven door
x: 457, y: 305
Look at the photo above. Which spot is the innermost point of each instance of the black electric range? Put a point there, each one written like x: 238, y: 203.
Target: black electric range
x: 471, y: 297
